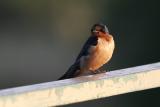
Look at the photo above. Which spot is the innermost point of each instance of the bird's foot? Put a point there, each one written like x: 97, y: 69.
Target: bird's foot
x: 99, y: 71
x: 104, y: 71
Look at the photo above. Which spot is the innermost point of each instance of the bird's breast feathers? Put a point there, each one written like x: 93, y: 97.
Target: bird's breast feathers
x: 98, y: 54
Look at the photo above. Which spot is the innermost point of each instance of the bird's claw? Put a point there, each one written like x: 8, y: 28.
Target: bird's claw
x: 99, y: 71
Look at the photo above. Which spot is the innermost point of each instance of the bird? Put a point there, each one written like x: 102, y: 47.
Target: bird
x: 97, y: 51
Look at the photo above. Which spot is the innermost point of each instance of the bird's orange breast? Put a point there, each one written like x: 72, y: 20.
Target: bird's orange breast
x: 99, y: 54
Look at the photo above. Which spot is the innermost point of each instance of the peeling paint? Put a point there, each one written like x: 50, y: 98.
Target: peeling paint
x: 132, y: 77
x: 99, y: 83
x: 59, y: 91
x: 78, y: 86
x: 115, y: 79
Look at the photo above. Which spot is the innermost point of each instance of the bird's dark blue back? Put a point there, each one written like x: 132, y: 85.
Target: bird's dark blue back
x: 92, y: 41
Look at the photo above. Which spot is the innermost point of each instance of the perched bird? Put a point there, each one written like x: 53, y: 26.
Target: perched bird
x: 97, y: 51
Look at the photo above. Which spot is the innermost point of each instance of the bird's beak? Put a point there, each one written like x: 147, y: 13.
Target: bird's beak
x: 106, y: 30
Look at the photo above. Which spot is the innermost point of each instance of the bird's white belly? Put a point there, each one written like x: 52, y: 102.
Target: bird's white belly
x: 98, y: 55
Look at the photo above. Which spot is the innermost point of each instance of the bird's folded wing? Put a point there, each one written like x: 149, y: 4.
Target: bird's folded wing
x: 92, y: 41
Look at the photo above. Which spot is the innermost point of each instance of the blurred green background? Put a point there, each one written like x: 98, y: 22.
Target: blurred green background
x: 40, y: 39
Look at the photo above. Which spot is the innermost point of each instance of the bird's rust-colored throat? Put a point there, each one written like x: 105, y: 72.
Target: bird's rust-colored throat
x: 106, y: 35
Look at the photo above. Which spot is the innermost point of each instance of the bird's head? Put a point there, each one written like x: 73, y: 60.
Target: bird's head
x: 99, y: 28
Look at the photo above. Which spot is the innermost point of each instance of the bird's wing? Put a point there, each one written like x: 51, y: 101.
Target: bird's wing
x: 92, y: 41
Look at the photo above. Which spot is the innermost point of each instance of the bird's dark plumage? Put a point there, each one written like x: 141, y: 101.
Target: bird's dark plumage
x: 92, y: 40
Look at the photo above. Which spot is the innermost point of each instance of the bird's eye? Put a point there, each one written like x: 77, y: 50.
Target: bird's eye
x: 102, y: 30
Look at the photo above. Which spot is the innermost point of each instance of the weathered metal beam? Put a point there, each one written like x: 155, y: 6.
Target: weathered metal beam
x: 83, y: 88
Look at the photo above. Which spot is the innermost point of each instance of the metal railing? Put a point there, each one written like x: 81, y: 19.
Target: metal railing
x: 83, y: 88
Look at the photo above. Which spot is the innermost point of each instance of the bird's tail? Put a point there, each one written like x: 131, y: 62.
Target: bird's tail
x: 71, y: 72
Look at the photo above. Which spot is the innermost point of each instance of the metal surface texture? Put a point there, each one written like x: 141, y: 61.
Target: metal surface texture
x: 83, y: 88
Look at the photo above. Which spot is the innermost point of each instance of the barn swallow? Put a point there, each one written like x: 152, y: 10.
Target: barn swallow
x: 96, y: 52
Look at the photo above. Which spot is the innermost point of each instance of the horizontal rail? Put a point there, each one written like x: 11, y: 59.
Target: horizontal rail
x: 83, y: 88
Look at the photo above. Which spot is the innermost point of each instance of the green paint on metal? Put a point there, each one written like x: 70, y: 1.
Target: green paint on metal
x: 77, y: 86
x: 99, y: 83
x: 59, y: 91
x: 115, y: 79
x: 126, y: 78
x: 132, y: 77
x: 11, y: 98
